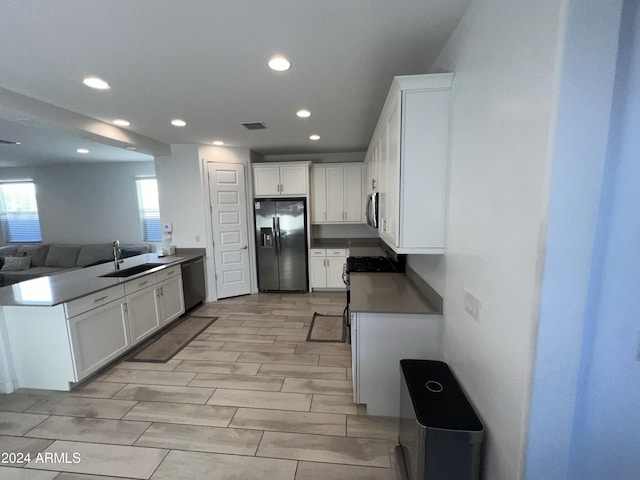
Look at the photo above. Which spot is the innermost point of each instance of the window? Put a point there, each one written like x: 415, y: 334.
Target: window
x: 19, y: 212
x: 149, y: 209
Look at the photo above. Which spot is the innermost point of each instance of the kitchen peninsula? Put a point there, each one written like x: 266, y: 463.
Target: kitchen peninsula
x: 64, y: 327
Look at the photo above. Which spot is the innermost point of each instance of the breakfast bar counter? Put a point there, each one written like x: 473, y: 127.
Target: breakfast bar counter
x: 66, y: 286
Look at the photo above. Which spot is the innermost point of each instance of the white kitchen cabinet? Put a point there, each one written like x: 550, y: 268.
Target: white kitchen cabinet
x: 378, y: 342
x: 409, y: 153
x: 158, y: 302
x: 327, y: 267
x: 278, y: 180
x: 142, y: 309
x: 372, y: 162
x: 170, y: 299
x: 98, y: 336
x: 336, y: 195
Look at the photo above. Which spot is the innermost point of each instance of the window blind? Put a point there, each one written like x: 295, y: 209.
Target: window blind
x: 149, y: 207
x: 19, y: 212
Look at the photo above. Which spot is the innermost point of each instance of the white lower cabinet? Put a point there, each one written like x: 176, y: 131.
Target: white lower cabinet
x: 98, y: 336
x: 327, y: 268
x: 142, y: 309
x: 170, y: 299
x: 378, y: 342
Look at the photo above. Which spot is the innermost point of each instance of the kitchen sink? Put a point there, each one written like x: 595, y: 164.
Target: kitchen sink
x: 128, y: 272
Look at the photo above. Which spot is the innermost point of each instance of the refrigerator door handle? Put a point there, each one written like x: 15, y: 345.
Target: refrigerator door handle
x: 367, y: 211
x: 275, y: 235
x: 276, y: 224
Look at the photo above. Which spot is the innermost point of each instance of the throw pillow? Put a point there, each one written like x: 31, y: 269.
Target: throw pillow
x: 14, y: 264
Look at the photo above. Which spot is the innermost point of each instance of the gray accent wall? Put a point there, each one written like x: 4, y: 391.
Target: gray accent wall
x: 86, y: 203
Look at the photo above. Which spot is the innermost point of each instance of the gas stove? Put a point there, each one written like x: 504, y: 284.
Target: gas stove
x: 389, y: 263
x: 369, y: 264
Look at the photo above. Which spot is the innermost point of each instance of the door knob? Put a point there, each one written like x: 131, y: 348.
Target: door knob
x: 245, y: 247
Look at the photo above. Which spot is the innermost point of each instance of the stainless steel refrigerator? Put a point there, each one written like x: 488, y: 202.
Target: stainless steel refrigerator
x: 281, y: 245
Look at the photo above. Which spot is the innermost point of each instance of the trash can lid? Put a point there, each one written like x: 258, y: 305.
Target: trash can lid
x: 438, y: 401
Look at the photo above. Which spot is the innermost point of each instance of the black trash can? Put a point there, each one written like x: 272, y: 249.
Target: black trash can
x: 440, y: 435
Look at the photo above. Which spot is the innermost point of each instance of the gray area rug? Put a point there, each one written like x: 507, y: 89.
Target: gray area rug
x: 160, y: 349
x: 326, y: 328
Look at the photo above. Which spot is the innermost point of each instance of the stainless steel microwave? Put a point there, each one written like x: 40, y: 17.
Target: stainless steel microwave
x: 371, y: 212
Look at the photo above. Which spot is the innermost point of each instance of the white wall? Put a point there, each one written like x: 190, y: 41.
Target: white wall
x: 504, y: 55
x: 606, y: 428
x: 180, y: 188
x: 184, y: 197
x: 530, y: 116
x: 86, y: 203
x: 583, y: 108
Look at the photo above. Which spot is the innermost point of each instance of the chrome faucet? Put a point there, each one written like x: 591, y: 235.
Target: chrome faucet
x: 117, y: 251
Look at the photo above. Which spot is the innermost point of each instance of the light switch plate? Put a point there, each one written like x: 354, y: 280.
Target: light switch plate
x: 472, y: 304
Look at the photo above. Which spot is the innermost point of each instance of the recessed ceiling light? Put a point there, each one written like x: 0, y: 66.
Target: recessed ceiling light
x: 121, y: 123
x: 279, y: 64
x: 82, y: 150
x: 219, y: 143
x: 97, y: 83
x: 303, y: 113
x: 176, y: 122
x: 129, y: 147
x: 314, y: 137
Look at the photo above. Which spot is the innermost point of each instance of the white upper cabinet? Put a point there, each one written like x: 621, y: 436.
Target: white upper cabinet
x: 407, y: 163
x: 336, y: 194
x: 281, y: 179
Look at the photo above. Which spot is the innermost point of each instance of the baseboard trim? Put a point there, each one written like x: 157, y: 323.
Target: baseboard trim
x: 7, y: 387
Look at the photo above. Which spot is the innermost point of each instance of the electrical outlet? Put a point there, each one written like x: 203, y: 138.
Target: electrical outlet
x: 197, y: 238
x: 472, y: 305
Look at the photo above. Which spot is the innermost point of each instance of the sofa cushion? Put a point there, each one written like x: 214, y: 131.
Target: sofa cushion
x: 92, y: 254
x: 142, y: 248
x: 12, y: 264
x: 38, y: 253
x: 62, y: 256
x: 8, y: 251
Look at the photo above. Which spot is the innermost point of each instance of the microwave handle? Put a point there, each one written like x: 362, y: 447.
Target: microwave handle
x: 368, y: 210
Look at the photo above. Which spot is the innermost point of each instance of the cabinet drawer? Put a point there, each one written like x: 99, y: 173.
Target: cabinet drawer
x: 84, y: 304
x: 337, y: 252
x: 169, y: 272
x: 317, y: 252
x: 140, y: 283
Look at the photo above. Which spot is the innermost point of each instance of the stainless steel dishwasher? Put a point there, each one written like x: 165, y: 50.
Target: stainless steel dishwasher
x: 193, y: 286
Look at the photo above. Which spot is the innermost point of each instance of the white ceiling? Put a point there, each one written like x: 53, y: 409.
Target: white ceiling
x: 205, y: 61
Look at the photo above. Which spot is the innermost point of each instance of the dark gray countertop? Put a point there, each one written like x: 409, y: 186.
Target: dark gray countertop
x: 387, y: 293
x: 66, y: 286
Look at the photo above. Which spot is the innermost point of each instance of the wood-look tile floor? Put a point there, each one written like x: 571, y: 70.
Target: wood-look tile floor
x: 249, y: 398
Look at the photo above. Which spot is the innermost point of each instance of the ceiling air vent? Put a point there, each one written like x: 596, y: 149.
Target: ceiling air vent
x: 254, y: 126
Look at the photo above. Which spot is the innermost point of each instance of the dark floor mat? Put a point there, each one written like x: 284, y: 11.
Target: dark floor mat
x: 326, y: 328
x: 162, y: 348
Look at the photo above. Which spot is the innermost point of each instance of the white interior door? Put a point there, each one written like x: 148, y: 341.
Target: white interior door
x: 229, y: 223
